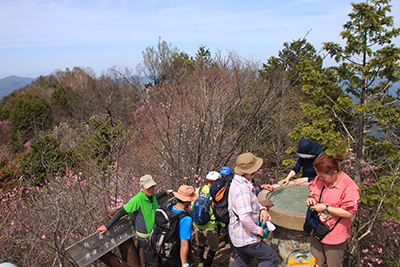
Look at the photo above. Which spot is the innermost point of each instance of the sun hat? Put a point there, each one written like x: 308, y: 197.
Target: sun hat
x: 147, y: 181
x: 186, y: 193
x: 212, y: 176
x: 247, y: 163
x: 308, y: 149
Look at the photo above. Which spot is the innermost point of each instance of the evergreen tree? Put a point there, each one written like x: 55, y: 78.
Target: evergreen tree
x: 44, y: 159
x: 60, y: 97
x: 290, y: 61
x: 369, y: 64
x: 30, y: 115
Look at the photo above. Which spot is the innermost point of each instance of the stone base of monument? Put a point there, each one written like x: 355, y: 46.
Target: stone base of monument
x: 284, y: 241
x: 288, y: 215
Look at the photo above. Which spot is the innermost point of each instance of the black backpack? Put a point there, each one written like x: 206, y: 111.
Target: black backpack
x: 164, y: 235
x: 219, y: 192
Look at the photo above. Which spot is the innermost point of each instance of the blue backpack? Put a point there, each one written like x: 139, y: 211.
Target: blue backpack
x: 200, y: 209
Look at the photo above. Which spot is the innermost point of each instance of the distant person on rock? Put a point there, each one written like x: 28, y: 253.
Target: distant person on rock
x: 143, y: 205
x: 308, y: 152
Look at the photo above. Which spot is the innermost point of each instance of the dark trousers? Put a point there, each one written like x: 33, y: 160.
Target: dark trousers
x: 261, y: 251
x: 175, y: 260
x: 151, y: 257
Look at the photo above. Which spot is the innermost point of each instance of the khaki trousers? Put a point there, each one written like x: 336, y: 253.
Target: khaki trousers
x: 328, y: 255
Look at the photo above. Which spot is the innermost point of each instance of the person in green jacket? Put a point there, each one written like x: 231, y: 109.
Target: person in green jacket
x: 207, y: 233
x: 143, y: 205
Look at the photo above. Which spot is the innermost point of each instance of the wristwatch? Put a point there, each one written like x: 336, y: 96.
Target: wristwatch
x: 326, y: 208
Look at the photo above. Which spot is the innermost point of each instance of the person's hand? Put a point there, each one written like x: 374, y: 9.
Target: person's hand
x: 264, y: 215
x: 284, y: 181
x: 318, y: 207
x: 262, y: 231
x: 267, y: 187
x: 102, y: 229
x: 298, y: 181
x: 267, y: 203
x: 311, y: 201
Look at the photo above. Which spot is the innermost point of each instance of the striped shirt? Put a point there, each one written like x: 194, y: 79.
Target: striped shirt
x: 243, y: 203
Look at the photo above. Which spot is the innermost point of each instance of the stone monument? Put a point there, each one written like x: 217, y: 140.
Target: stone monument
x: 288, y: 215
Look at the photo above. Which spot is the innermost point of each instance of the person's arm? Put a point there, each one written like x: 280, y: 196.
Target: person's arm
x: 264, y: 186
x: 184, y: 252
x: 248, y: 223
x: 348, y: 206
x: 300, y: 180
x: 335, y: 211
x: 268, y: 187
x: 264, y: 215
x: 288, y: 177
x: 161, y: 194
x: 185, y: 231
x: 311, y: 200
x: 120, y: 213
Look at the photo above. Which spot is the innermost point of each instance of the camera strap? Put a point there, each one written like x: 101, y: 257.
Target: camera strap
x: 323, y: 188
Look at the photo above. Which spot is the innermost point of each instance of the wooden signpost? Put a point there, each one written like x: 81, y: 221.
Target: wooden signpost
x: 95, y: 246
x: 120, y: 235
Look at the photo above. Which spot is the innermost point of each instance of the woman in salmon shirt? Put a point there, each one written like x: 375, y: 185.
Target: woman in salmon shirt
x: 340, y: 198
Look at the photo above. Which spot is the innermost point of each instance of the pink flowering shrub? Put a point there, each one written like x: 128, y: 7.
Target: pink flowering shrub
x: 39, y: 223
x: 380, y: 247
x: 376, y: 229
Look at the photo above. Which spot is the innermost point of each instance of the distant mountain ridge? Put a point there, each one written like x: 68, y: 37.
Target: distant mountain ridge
x: 11, y: 83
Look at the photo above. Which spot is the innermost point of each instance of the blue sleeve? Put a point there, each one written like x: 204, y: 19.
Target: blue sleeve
x: 298, y: 165
x: 185, y: 228
x: 258, y: 190
x: 308, y: 169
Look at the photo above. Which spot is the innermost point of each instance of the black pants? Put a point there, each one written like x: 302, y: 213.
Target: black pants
x: 152, y: 259
x: 259, y: 250
x: 175, y: 260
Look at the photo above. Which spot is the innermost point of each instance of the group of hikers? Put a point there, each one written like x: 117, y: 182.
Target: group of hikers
x: 333, y: 195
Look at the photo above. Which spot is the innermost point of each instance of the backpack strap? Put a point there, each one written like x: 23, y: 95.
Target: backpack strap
x: 201, y: 190
x: 229, y: 179
x: 180, y: 214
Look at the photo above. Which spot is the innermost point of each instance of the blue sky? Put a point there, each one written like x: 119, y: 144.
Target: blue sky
x: 38, y: 37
